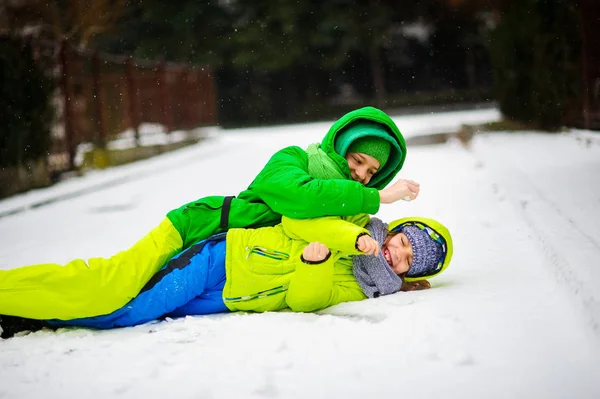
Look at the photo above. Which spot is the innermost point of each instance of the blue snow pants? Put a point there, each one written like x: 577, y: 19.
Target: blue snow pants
x: 191, y: 283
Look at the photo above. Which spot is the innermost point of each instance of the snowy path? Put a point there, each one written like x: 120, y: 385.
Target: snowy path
x: 515, y: 315
x: 555, y: 190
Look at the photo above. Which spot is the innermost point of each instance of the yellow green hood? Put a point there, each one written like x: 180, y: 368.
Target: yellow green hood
x: 437, y: 231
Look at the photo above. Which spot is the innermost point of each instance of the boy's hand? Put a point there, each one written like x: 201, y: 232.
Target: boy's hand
x: 315, y: 252
x: 407, y: 190
x: 367, y: 245
x: 415, y: 285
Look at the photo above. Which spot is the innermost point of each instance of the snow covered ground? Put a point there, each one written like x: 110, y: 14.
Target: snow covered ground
x: 516, y: 315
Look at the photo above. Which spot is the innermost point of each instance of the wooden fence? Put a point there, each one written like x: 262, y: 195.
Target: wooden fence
x: 102, y: 95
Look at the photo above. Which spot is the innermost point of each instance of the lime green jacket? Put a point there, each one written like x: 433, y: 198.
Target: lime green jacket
x: 284, y: 187
x: 265, y: 271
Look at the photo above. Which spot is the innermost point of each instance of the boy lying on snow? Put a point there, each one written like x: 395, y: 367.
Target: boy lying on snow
x: 301, y: 264
x: 346, y: 174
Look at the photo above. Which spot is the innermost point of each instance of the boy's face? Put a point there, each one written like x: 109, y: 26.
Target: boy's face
x: 398, y: 252
x: 362, y: 166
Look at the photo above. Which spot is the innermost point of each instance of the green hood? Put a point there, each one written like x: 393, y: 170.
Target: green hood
x: 398, y: 152
x: 436, y: 229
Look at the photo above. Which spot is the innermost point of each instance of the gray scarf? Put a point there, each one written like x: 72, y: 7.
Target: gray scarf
x: 373, y: 273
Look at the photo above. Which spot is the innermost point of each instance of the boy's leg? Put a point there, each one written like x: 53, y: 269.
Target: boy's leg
x: 11, y: 325
x: 211, y: 300
x: 83, y: 289
x: 185, y: 277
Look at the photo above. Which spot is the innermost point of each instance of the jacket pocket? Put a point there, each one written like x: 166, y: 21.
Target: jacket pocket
x: 268, y: 262
x: 212, y: 203
x: 268, y: 253
x: 259, y: 295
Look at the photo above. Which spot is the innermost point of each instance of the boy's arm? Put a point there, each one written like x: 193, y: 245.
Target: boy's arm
x: 286, y: 187
x: 312, y: 287
x: 332, y: 231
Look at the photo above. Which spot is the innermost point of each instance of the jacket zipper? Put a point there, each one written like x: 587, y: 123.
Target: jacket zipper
x: 272, y: 254
x: 259, y: 295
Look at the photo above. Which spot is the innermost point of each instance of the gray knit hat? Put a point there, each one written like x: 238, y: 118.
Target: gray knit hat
x: 426, y: 252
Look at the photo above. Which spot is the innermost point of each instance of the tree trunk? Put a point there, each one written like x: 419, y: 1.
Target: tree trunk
x: 377, y: 75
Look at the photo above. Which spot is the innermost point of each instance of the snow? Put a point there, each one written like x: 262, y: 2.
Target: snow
x: 516, y: 315
x: 150, y: 134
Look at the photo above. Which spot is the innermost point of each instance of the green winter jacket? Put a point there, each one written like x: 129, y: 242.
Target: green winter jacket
x: 284, y: 187
x: 265, y: 271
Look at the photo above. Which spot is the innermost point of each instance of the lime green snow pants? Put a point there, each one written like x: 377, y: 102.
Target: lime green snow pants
x: 84, y: 289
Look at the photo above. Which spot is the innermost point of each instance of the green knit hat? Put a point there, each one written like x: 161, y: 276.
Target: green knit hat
x: 376, y: 147
x: 368, y: 137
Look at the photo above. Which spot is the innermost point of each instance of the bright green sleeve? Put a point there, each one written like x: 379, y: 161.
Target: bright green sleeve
x: 337, y: 234
x: 312, y: 288
x: 286, y: 187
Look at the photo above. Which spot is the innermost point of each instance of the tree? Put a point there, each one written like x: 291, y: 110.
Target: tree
x: 535, y: 63
x: 289, y: 56
x: 77, y: 21
x: 26, y: 112
x: 186, y: 31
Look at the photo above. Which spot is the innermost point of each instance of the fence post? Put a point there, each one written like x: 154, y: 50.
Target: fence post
x: 100, y: 155
x: 66, y: 91
x: 33, y: 44
x: 192, y: 100
x: 165, y: 103
x: 134, y: 112
x: 211, y: 98
x: 98, y: 101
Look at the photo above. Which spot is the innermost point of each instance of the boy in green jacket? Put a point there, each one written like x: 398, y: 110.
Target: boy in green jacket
x: 300, y: 264
x: 293, y: 184
x: 344, y: 175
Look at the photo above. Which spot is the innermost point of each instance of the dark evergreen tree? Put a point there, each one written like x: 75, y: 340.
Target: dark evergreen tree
x: 281, y: 61
x: 534, y: 50
x: 26, y: 111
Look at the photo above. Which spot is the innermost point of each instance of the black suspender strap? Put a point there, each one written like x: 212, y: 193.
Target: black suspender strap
x: 225, y: 209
